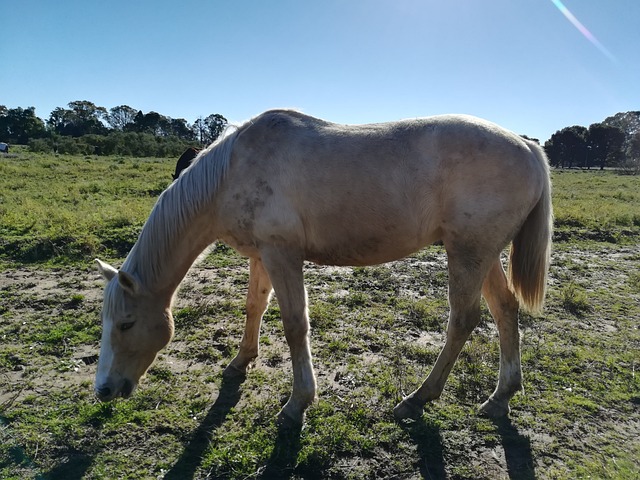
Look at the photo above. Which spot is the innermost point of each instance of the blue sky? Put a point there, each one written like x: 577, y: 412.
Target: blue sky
x: 520, y: 63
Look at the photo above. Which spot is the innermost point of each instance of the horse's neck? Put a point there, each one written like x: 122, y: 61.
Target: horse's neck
x: 164, y: 253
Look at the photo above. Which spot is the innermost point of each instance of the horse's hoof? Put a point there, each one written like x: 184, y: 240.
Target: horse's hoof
x: 234, y: 373
x: 494, y: 409
x: 287, y: 422
x: 407, y: 409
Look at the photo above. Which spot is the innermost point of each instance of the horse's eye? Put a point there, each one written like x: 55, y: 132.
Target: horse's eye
x: 126, y: 326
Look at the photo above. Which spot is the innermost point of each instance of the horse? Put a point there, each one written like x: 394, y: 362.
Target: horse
x: 285, y: 187
x: 184, y: 161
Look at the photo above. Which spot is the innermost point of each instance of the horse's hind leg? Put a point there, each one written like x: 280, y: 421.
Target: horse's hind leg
x: 465, y: 281
x: 258, y: 297
x: 504, y: 309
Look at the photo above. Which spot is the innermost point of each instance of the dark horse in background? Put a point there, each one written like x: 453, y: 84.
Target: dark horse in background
x: 185, y: 160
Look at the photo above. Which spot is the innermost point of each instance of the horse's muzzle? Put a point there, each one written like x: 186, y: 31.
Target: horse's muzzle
x: 106, y: 393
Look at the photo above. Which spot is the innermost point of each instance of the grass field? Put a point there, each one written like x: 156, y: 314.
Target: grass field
x: 375, y: 334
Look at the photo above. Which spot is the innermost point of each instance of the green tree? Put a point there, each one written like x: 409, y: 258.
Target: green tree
x: 121, y: 116
x: 631, y: 164
x: 605, y: 144
x: 81, y: 118
x: 152, y: 122
x: 206, y: 130
x: 215, y: 125
x: 181, y: 129
x: 567, y: 147
x: 19, y: 125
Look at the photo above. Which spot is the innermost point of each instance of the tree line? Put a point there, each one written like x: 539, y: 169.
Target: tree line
x: 85, y: 128
x: 615, y: 142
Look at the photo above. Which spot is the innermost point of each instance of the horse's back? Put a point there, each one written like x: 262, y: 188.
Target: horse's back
x: 359, y: 194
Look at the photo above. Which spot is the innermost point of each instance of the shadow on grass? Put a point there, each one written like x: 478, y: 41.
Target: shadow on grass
x: 517, y: 450
x: 283, y: 459
x: 189, y: 461
x: 74, y: 468
x: 428, y: 439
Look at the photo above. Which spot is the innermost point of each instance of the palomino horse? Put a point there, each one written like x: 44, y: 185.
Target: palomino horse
x: 285, y: 187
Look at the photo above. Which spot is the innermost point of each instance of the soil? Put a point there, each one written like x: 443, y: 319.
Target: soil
x: 49, y: 291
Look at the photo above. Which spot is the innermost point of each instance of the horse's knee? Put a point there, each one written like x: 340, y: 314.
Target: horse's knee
x: 296, y: 330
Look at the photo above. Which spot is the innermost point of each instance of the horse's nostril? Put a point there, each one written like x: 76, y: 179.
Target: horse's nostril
x: 103, y: 392
x: 127, y: 388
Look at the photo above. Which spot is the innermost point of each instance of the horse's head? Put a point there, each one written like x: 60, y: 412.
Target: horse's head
x: 135, y: 326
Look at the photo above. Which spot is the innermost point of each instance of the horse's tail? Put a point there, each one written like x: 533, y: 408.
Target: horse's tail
x: 531, y: 248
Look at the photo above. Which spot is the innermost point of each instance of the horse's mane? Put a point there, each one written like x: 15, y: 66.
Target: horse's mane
x: 177, y: 205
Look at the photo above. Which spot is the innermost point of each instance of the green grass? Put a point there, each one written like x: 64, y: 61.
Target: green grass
x: 65, y: 208
x: 375, y: 333
x: 596, y: 205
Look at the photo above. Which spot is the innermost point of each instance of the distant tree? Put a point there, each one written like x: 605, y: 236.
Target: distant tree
x: 568, y: 147
x: 200, y: 131
x: 19, y: 125
x: 152, y: 123
x: 634, y: 146
x: 181, y: 129
x: 605, y: 145
x: 208, y: 129
x: 121, y: 116
x: 58, y: 120
x: 88, y: 117
x: 81, y: 118
x: 215, y: 125
x: 535, y: 140
x: 631, y: 163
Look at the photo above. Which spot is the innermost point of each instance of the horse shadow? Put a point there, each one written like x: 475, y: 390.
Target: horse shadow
x: 280, y: 464
x: 74, y: 468
x: 283, y: 459
x: 517, y: 450
x: 191, y: 457
x: 428, y: 439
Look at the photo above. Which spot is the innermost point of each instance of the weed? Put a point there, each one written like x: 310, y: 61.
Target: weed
x: 574, y: 299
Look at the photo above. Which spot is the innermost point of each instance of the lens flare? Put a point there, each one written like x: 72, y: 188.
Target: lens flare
x: 583, y: 30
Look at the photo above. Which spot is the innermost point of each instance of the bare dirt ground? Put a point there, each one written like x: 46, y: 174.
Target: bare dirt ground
x: 40, y: 295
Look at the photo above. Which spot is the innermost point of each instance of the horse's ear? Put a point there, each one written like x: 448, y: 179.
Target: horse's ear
x: 107, y: 271
x: 128, y: 283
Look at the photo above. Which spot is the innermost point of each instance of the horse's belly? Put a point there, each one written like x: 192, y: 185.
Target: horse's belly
x: 361, y: 252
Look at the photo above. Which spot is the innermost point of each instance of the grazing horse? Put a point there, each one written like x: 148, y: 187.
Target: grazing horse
x: 184, y: 161
x: 286, y: 187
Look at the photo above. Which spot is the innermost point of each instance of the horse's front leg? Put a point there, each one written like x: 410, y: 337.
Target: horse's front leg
x: 258, y: 297
x: 285, y: 271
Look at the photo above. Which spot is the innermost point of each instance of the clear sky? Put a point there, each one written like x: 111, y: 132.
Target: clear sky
x: 533, y: 66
